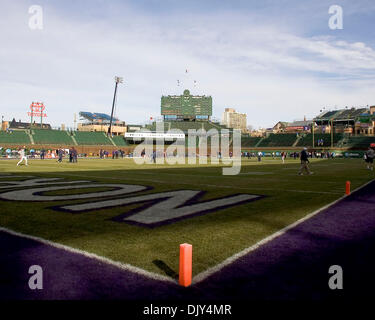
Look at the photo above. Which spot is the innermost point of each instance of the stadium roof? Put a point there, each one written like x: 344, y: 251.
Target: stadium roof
x: 96, y: 116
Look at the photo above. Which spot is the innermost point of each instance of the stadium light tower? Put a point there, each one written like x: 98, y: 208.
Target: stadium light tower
x: 117, y: 80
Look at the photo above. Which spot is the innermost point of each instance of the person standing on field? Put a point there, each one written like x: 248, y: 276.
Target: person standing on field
x: 370, y: 155
x: 304, y: 162
x: 22, y: 153
x: 60, y: 154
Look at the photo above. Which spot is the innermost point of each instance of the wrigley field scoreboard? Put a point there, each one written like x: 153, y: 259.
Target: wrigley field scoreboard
x: 186, y: 107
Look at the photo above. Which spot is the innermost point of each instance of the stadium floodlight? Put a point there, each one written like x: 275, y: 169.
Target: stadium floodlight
x: 117, y: 81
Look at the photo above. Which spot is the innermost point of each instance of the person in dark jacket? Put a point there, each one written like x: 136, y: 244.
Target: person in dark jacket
x: 60, y: 153
x: 70, y: 155
x: 74, y: 155
x: 369, y: 158
x: 304, y: 162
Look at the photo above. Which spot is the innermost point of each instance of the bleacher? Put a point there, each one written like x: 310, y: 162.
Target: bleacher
x: 358, y: 142
x: 51, y: 137
x: 91, y: 138
x: 249, y: 141
x: 350, y: 114
x: 306, y: 141
x: 185, y: 126
x: 328, y: 115
x: 14, y: 137
x: 120, y: 141
x: 279, y: 140
x: 152, y: 127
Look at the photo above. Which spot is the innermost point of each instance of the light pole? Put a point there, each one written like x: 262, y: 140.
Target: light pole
x: 117, y: 80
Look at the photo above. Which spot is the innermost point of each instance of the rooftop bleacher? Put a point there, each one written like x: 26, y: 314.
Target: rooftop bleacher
x: 328, y: 115
x: 350, y: 114
x: 96, y: 116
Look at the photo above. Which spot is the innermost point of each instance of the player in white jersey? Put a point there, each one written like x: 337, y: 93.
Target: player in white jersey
x: 22, y: 153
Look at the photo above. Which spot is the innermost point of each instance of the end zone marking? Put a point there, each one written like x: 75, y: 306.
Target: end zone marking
x: 123, y: 266
x: 210, y: 271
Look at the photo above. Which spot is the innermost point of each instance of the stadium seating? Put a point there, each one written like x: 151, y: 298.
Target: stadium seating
x: 15, y: 137
x: 51, y: 137
x: 278, y: 140
x: 357, y: 142
x: 185, y: 126
x: 152, y: 127
x: 328, y: 115
x: 350, y: 114
x: 91, y: 138
x: 120, y: 141
x: 306, y: 141
x: 249, y: 141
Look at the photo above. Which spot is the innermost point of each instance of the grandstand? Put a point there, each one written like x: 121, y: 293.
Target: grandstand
x: 41, y: 136
x: 14, y: 137
x: 91, y: 138
x: 279, y: 140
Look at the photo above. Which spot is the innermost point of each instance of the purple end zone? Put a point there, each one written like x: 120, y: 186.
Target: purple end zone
x: 293, y: 266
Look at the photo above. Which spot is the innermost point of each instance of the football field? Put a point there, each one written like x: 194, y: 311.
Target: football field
x: 138, y: 215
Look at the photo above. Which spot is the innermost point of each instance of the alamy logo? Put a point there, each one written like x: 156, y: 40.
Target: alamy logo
x: 336, y: 20
x: 36, y: 20
x: 156, y: 208
x: 36, y: 280
x: 336, y: 280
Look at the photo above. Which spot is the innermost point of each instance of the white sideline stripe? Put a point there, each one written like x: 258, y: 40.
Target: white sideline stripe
x: 210, y: 271
x: 90, y: 255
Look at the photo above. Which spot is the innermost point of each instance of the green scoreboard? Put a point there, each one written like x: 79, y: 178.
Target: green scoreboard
x: 186, y: 106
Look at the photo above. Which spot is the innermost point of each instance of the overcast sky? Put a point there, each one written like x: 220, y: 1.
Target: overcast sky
x: 274, y: 60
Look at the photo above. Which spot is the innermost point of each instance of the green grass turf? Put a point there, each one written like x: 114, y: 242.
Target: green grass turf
x: 215, y: 236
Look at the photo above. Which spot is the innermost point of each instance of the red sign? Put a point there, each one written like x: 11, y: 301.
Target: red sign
x: 372, y: 145
x: 37, y: 109
x: 294, y: 128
